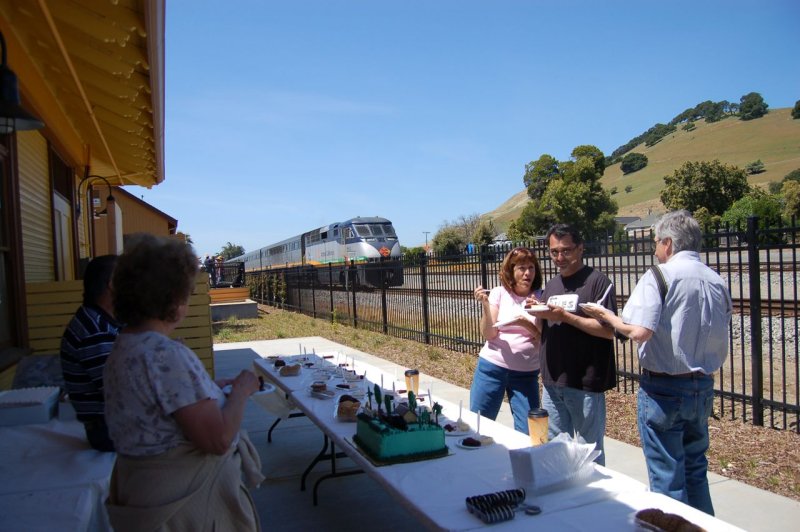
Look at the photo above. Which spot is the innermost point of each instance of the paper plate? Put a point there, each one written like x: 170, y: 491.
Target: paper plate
x: 537, y: 308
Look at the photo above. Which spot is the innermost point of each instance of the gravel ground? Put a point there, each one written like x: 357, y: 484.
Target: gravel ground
x: 762, y: 457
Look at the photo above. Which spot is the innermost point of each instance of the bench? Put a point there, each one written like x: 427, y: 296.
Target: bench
x: 51, y: 305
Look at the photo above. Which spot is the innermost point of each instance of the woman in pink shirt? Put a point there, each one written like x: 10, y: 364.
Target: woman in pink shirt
x: 509, y: 360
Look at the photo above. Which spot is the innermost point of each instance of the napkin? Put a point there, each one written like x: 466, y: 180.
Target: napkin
x: 558, y: 464
x: 273, y: 401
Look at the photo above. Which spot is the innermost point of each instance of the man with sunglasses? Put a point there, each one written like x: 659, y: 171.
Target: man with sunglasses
x: 577, y: 352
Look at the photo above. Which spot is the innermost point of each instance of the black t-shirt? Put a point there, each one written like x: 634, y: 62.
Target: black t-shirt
x: 569, y: 356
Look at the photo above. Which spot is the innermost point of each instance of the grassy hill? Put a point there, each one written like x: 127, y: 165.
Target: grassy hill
x: 774, y: 138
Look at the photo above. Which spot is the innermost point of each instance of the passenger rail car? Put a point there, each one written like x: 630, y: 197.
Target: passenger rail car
x: 361, y: 251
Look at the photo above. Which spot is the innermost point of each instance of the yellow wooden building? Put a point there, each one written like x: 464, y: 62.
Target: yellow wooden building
x: 91, y: 74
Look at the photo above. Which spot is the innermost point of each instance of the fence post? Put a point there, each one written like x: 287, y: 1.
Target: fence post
x: 384, y: 310
x: 423, y: 273
x: 299, y: 278
x: 354, y: 276
x: 314, y: 293
x: 757, y: 364
x: 484, y: 270
x: 330, y: 289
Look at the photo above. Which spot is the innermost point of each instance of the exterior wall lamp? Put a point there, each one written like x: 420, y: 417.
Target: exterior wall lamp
x: 12, y: 116
x: 109, y: 200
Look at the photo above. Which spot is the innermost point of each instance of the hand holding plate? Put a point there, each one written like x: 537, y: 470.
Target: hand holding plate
x: 593, y: 310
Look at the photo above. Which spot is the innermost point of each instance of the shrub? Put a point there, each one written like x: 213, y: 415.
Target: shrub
x: 633, y: 162
x: 794, y: 175
x: 756, y: 167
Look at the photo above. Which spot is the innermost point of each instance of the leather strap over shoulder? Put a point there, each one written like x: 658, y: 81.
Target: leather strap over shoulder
x: 662, y: 283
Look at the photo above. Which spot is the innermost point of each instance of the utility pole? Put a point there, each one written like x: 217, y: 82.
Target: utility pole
x: 426, y: 233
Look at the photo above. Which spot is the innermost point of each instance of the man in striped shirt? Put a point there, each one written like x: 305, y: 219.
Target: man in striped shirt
x: 85, y: 345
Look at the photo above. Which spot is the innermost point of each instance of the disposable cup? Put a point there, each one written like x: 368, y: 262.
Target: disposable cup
x: 412, y: 380
x: 537, y: 426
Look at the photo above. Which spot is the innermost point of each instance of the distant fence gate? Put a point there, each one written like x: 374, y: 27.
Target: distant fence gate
x: 759, y: 382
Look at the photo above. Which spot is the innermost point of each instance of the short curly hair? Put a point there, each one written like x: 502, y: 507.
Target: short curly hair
x: 154, y: 276
x: 514, y: 257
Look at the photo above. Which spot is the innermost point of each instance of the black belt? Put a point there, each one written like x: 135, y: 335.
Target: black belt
x: 690, y: 375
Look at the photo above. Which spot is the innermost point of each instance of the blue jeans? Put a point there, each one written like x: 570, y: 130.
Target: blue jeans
x: 673, y: 425
x: 491, y: 383
x: 578, y: 413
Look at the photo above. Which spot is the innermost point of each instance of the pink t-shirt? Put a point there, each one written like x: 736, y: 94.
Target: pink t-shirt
x: 513, y: 348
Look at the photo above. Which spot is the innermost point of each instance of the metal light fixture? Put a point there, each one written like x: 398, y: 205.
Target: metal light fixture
x: 12, y: 116
x: 109, y: 199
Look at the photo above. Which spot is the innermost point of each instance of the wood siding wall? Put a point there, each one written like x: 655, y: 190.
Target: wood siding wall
x: 35, y: 207
x: 136, y: 218
x: 51, y: 305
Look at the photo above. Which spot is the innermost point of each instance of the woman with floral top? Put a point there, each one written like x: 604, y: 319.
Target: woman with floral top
x: 180, y: 452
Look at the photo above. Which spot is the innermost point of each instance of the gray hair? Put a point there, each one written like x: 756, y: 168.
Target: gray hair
x: 682, y: 229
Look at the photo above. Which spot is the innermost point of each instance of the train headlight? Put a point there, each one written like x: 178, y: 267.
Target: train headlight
x: 384, y: 251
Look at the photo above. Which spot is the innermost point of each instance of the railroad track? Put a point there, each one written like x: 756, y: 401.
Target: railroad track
x: 786, y: 308
x: 777, y: 308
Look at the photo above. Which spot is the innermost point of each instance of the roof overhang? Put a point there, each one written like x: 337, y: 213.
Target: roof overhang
x: 93, y: 71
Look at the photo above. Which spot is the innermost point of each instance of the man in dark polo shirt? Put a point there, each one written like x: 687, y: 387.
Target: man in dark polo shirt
x: 85, y: 345
x: 577, y: 353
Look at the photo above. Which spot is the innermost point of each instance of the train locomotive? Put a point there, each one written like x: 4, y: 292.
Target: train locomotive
x: 361, y: 251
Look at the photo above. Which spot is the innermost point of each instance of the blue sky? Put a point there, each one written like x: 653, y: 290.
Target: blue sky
x: 285, y: 116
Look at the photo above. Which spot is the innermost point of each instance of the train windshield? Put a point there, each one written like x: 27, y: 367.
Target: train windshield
x: 375, y: 231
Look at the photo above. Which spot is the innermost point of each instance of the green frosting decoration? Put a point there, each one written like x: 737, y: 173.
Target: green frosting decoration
x: 378, y: 397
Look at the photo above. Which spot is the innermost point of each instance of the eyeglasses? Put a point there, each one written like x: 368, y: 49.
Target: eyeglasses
x: 563, y: 251
x: 520, y: 268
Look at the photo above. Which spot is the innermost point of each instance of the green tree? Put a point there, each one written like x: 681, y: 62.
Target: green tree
x: 713, y: 185
x: 794, y: 175
x: 632, y: 162
x: 706, y: 220
x: 755, y: 203
x: 756, y: 167
x: 449, y: 240
x: 412, y: 254
x: 774, y: 187
x: 538, y: 175
x: 531, y: 222
x: 791, y: 198
x: 230, y: 251
x: 654, y: 135
x: 573, y: 195
x: 484, y: 234
x: 593, y: 153
x: 796, y: 110
x: 752, y: 106
x: 185, y: 236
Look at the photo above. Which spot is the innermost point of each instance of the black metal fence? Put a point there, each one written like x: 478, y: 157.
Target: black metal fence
x: 759, y: 383
x: 225, y: 275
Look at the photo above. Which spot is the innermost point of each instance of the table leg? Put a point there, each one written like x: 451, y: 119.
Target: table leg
x: 320, y: 457
x: 269, y: 434
x: 333, y: 474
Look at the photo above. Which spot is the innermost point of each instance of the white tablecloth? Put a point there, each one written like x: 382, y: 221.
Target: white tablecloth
x: 50, y: 479
x: 435, y: 490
